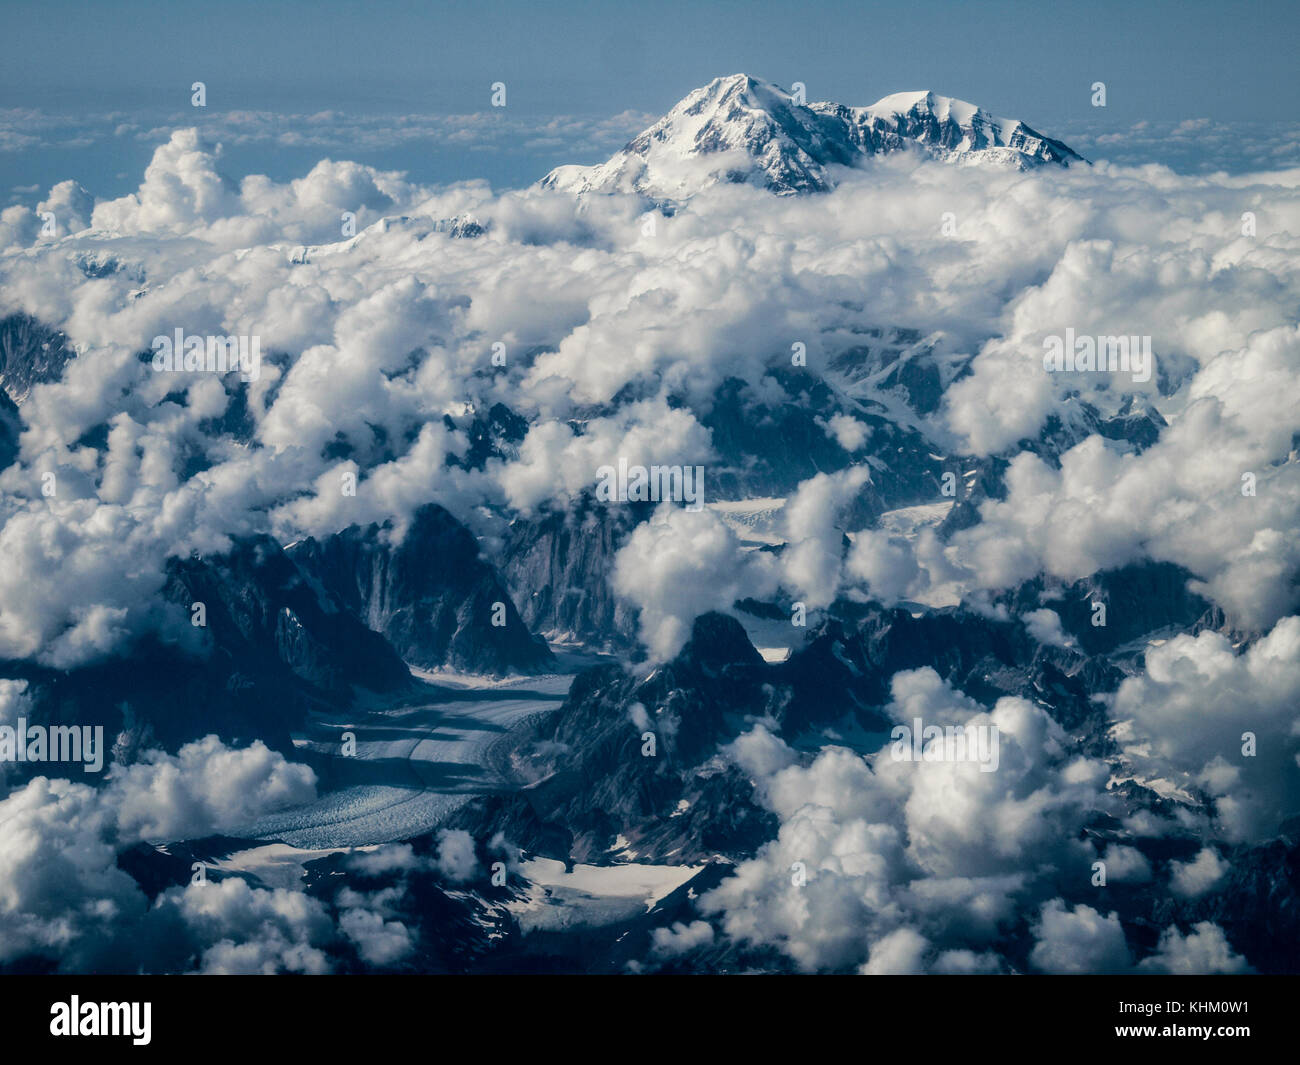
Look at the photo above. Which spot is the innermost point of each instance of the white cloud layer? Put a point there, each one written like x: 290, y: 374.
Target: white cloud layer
x: 378, y: 337
x: 906, y: 861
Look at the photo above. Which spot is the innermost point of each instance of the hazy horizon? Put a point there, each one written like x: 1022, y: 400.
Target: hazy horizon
x: 89, y: 97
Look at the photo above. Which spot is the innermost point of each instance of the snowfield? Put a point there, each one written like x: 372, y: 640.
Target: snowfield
x: 592, y: 894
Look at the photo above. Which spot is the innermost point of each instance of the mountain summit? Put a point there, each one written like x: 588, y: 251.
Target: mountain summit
x: 746, y: 130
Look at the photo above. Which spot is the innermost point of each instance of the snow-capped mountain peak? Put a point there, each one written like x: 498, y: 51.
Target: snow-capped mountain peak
x: 744, y: 129
x: 955, y: 130
x: 902, y: 103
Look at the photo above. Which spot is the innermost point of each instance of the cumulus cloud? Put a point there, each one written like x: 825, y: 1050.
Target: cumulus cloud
x: 616, y: 343
x: 890, y: 865
x: 78, y: 586
x: 681, y: 564
x: 1222, y: 724
x: 1204, y: 950
x: 456, y: 858
x: 181, y: 189
x: 847, y: 431
x: 680, y: 938
x: 1126, y: 865
x: 70, y: 204
x: 1201, y: 874
x: 885, y: 565
x: 204, y: 787
x: 1103, y: 508
x: 390, y: 858
x: 555, y: 462
x: 811, y: 565
x: 61, y: 890
x: 245, y: 930
x: 895, y: 864
x: 1045, y: 626
x: 1078, y: 940
x: 902, y: 951
x: 18, y: 227
x: 378, y: 942
x: 378, y: 356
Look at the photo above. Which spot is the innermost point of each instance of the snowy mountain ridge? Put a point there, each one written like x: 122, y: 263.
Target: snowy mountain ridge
x: 743, y: 129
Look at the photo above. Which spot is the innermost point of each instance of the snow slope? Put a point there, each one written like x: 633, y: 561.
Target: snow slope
x: 745, y: 130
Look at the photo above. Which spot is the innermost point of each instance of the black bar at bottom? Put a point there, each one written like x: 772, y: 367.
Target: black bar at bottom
x: 227, y: 1014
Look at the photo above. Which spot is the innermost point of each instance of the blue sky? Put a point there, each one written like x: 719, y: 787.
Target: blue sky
x: 98, y: 67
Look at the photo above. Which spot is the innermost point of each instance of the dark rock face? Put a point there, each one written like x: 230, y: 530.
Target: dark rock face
x: 279, y: 638
x: 101, y: 264
x: 162, y: 696
x: 462, y: 227
x: 1135, y: 425
x: 468, y: 927
x: 985, y: 480
x: 432, y: 596
x: 494, y: 433
x: 455, y: 927
x: 30, y: 353
x: 768, y: 449
x: 592, y: 782
x: 589, y: 776
x: 11, y: 428
x: 894, y: 361
x: 262, y: 610
x: 1140, y: 599
x: 559, y: 564
x: 1138, y: 423
x: 1256, y: 903
x: 863, y: 646
x: 273, y: 646
x: 588, y: 779
x: 962, y: 647
x: 591, y: 779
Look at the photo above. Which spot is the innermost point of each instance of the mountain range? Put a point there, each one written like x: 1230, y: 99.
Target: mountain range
x: 745, y: 130
x: 474, y: 684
